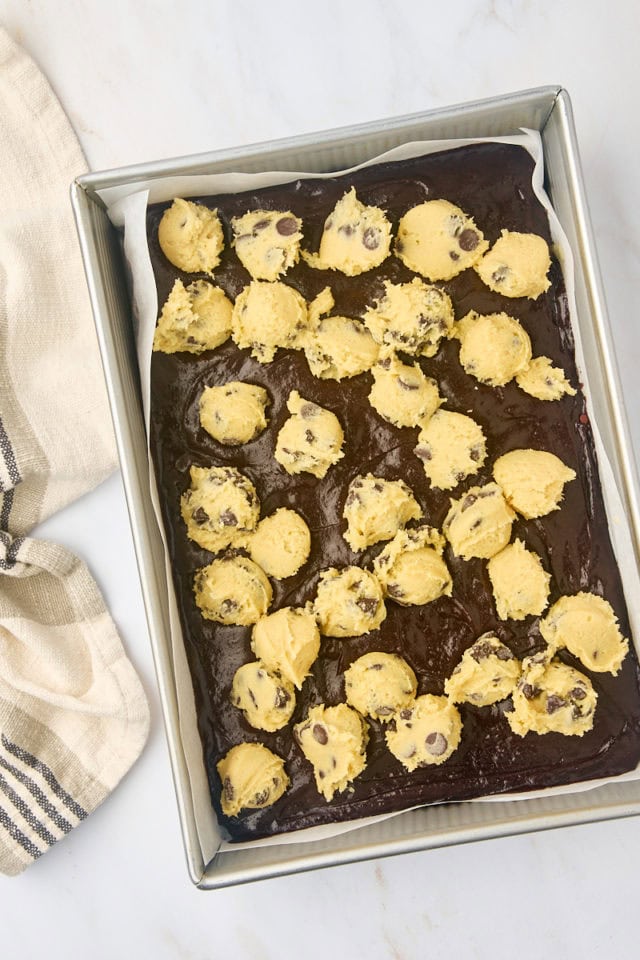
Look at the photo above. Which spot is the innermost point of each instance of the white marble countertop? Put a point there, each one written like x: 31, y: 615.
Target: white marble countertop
x: 141, y: 81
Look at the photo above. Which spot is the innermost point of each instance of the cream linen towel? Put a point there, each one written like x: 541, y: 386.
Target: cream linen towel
x: 73, y: 715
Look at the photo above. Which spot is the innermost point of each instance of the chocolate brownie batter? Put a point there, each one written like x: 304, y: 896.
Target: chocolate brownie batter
x: 492, y: 184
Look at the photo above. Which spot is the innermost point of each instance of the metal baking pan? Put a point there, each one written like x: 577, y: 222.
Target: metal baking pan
x: 547, y: 109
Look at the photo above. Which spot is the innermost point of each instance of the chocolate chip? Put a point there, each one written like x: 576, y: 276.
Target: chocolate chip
x: 368, y: 605
x: 554, y: 703
x: 261, y: 798
x: 371, y: 238
x: 394, y: 590
x: 385, y: 363
x: 384, y: 711
x: 378, y: 487
x: 503, y: 653
x: 309, y: 436
x: 228, y: 605
x: 227, y: 788
x: 309, y: 410
x: 352, y: 498
x: 500, y: 274
x: 468, y: 240
x: 228, y: 518
x: 261, y: 224
x: 346, y: 228
x: 253, y: 698
x: 407, y: 386
x: 474, y: 453
x: 578, y: 693
x: 282, y: 698
x: 320, y: 734
x: 399, y: 246
x: 529, y: 691
x: 454, y: 256
x: 200, y: 516
x: 423, y: 452
x: 436, y: 744
x: 481, y: 650
x: 286, y: 226
x: 375, y: 666
x: 468, y: 501
x: 406, y: 714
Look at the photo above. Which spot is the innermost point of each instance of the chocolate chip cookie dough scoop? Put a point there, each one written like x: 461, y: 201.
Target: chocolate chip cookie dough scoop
x: 439, y: 240
x: 356, y: 238
x: 191, y: 237
x: 267, y: 242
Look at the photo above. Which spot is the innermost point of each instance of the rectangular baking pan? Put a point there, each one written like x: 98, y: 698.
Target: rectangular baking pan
x: 547, y: 109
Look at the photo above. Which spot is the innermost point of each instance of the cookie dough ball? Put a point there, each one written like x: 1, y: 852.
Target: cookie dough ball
x: 494, y: 348
x: 426, y: 733
x: 552, y: 698
x: 587, y: 626
x: 412, y: 317
x: 266, y: 699
x: 267, y: 316
x: 349, y: 602
x: 520, y: 582
x: 544, y: 381
x: 375, y: 509
x: 451, y: 446
x: 233, y: 591
x: 380, y: 684
x: 411, y: 569
x: 267, y: 242
x: 340, y: 347
x: 220, y: 507
x: 190, y: 236
x: 355, y: 238
x: 479, y: 523
x: 517, y: 265
x: 234, y: 413
x: 280, y: 544
x: 532, y: 481
x: 487, y: 673
x: 310, y: 441
x: 402, y: 394
x: 288, y: 642
x: 193, y: 319
x: 334, y: 741
x: 252, y: 777
x: 439, y: 240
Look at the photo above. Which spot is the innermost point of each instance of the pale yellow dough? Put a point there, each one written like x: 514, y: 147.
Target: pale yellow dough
x: 532, y: 480
x: 267, y: 316
x: 266, y: 699
x: 219, y: 508
x: 375, y: 509
x: 348, y: 602
x: 340, y: 347
x: 193, y: 319
x: 520, y: 582
x: 451, y: 446
x: 425, y: 733
x: 252, y: 777
x: 402, y: 394
x: 552, y: 698
x: 412, y: 317
x: 280, y: 544
x: 587, y: 626
x: 411, y: 569
x: 234, y: 413
x: 487, y: 673
x: 377, y: 685
x: 544, y: 381
x: 267, y: 242
x: 355, y: 238
x: 310, y: 441
x: 494, y: 347
x: 439, y: 240
x: 288, y: 642
x: 191, y: 237
x: 517, y: 265
x: 334, y: 741
x: 233, y: 591
x: 479, y: 523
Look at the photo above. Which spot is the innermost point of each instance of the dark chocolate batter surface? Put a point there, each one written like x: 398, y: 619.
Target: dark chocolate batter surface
x: 492, y: 183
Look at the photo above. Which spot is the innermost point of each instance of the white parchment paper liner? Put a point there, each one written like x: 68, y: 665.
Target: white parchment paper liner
x: 127, y: 209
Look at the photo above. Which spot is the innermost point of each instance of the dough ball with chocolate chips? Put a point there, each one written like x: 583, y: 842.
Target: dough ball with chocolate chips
x: 375, y: 509
x: 288, y: 642
x: 439, y: 240
x: 451, y: 446
x: 266, y: 699
x: 267, y: 242
x: 487, y: 673
x: 479, y: 523
x: 494, y: 348
x: 340, y: 347
x: 219, y: 508
x: 190, y: 236
x: 411, y: 569
x: 355, y: 238
x: 544, y: 381
x: 334, y: 741
x: 252, y: 777
x: 348, y: 602
x: 267, y: 316
x: 402, y: 394
x: 425, y: 733
x: 519, y: 581
x: 532, y: 481
x: 586, y: 625
x: 193, y: 319
x: 280, y: 544
x: 517, y: 265
x: 552, y: 698
x: 234, y: 413
x: 412, y: 317
x: 310, y: 441
x: 233, y: 591
x: 377, y: 685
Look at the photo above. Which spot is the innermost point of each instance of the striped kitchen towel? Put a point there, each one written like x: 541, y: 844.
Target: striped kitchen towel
x: 73, y: 715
